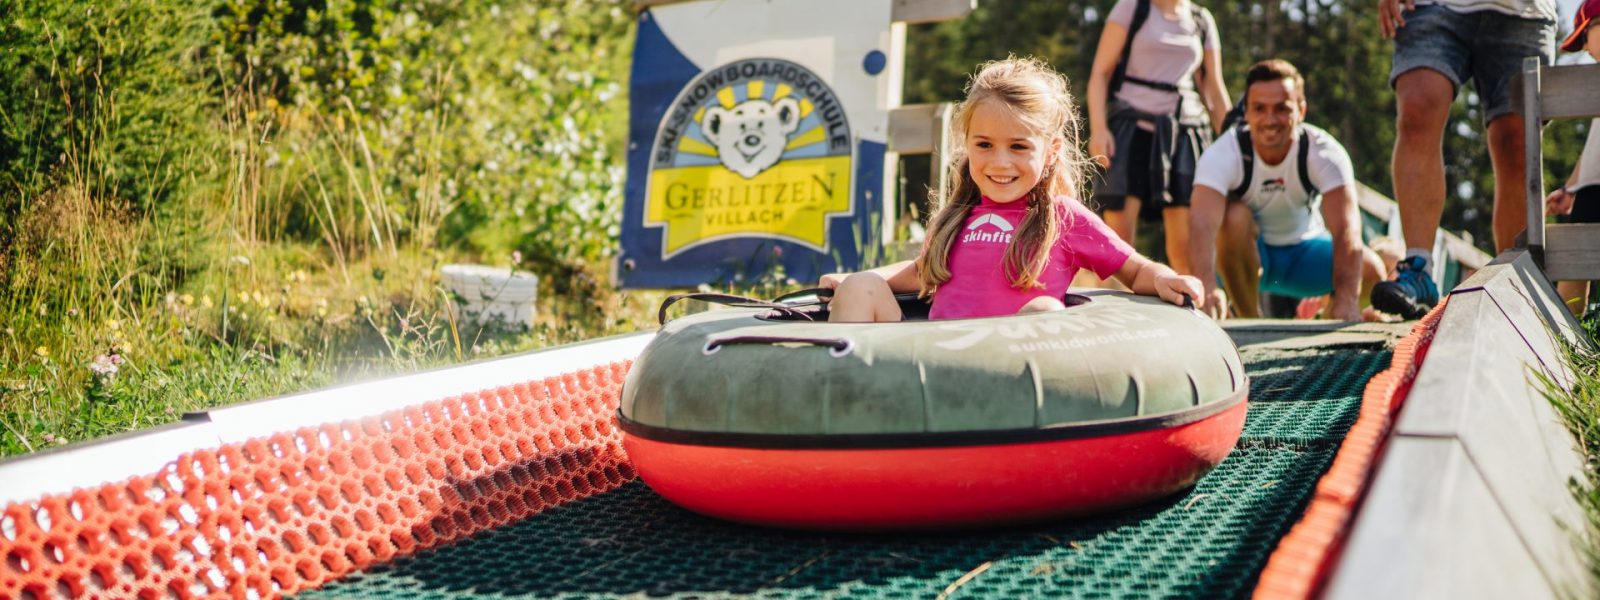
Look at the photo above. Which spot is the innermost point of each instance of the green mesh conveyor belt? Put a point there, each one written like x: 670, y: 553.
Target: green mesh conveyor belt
x: 1208, y: 542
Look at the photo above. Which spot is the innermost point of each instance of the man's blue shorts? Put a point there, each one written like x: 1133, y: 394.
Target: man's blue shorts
x: 1304, y: 270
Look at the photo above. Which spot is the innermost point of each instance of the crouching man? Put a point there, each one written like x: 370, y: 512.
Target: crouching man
x: 1281, y: 193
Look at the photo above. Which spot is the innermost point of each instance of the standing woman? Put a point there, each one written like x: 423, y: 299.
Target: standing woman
x: 1155, y: 98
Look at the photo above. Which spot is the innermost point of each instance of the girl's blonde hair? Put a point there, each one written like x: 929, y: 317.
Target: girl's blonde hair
x: 1032, y: 92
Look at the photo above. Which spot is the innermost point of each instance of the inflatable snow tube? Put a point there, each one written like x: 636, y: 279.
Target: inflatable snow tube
x: 765, y: 413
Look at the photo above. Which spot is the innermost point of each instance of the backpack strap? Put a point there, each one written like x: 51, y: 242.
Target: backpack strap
x: 1247, y: 157
x: 1235, y: 115
x: 1205, y: 36
x: 1305, y: 157
x: 1141, y: 12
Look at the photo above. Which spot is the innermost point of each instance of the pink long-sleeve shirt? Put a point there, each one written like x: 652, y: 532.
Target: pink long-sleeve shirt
x: 978, y: 286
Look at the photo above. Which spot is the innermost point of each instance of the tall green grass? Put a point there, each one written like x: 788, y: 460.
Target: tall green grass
x: 1579, y: 406
x: 208, y: 203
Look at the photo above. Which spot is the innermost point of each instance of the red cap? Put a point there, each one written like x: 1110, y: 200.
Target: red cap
x: 1580, y: 23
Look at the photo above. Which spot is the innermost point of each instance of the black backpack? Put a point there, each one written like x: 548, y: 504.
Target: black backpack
x: 1247, y: 155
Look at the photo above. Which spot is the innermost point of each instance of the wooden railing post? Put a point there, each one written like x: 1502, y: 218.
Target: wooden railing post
x: 1534, y: 163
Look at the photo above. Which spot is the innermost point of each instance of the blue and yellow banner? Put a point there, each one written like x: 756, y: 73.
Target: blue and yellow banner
x: 757, y: 141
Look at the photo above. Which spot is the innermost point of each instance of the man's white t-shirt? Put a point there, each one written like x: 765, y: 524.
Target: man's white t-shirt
x: 1286, y: 214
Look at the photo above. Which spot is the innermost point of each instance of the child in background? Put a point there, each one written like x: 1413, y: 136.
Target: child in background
x: 1009, y: 234
x: 1579, y: 199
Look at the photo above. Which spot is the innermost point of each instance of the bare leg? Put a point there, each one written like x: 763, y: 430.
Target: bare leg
x: 1510, y: 190
x: 1176, y: 219
x: 1125, y: 221
x: 1422, y: 101
x: 1042, y: 304
x: 1575, y: 294
x: 863, y: 298
x: 1238, y: 262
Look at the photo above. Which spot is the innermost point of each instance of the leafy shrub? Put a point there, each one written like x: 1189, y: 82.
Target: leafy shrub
x: 215, y: 202
x: 489, y: 128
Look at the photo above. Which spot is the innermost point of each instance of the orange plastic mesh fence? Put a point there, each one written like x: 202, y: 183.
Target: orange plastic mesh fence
x: 289, y: 512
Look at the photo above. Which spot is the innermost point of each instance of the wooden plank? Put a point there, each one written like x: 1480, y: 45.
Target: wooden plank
x: 1569, y: 91
x: 1516, y: 440
x: 1431, y: 528
x: 912, y: 128
x: 1441, y: 400
x: 1375, y: 203
x: 1540, y: 319
x: 940, y: 158
x: 1533, y: 146
x: 913, y: 12
x: 1572, y: 251
x: 1284, y: 334
x: 1477, y: 387
x: 1529, y: 285
x: 1465, y: 253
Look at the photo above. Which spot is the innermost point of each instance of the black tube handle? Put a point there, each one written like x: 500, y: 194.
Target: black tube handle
x: 726, y: 300
x: 837, y: 345
x: 820, y: 293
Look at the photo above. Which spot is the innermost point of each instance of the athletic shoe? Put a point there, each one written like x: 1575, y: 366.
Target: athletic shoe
x: 1412, y: 293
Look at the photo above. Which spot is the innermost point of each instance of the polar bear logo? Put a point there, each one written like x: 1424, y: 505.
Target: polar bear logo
x: 751, y: 136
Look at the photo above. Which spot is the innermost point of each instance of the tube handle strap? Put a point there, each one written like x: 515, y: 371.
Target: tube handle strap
x: 726, y: 300
x: 836, y: 346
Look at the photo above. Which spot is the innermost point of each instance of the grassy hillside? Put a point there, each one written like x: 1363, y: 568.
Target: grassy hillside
x: 202, y: 204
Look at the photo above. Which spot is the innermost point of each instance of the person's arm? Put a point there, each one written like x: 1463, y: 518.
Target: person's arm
x: 1213, y: 90
x: 1149, y: 278
x: 901, y: 276
x: 1206, y: 210
x: 1106, y: 56
x: 1340, y: 213
x: 1559, y: 202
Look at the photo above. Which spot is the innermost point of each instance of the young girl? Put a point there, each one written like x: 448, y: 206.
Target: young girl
x: 1009, y: 236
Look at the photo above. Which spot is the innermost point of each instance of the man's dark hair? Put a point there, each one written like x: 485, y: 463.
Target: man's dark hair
x: 1274, y: 69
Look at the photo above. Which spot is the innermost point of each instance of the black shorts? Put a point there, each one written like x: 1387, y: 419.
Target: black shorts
x: 1585, y: 207
x: 1130, y: 174
x: 1138, y: 182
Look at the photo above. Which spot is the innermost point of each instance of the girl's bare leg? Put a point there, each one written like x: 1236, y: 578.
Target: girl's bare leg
x: 863, y: 298
x: 1042, y: 304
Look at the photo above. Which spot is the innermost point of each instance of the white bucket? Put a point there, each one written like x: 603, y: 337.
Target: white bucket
x: 487, y: 294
